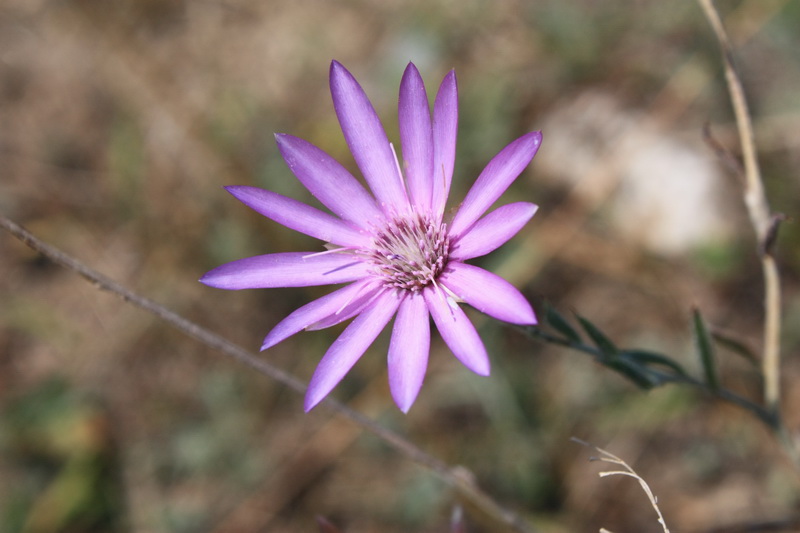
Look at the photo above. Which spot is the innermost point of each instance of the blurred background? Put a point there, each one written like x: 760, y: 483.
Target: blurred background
x: 120, y: 122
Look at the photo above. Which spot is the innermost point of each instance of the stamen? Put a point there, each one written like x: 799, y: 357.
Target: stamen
x: 445, y: 299
x: 439, y: 209
x: 453, y: 299
x: 330, y: 251
x: 399, y: 172
x: 410, y: 251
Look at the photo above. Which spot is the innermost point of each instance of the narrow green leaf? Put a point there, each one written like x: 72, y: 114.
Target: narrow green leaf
x: 736, y: 346
x: 560, y: 324
x: 653, y: 358
x: 705, y: 349
x: 638, y: 374
x: 605, y: 345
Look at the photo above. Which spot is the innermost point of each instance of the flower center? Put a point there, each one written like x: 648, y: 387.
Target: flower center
x: 410, y: 252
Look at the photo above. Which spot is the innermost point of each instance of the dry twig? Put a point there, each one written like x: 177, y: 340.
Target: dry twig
x: 764, y: 224
x: 454, y: 477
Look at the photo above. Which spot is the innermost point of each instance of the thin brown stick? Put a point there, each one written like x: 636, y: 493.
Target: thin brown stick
x: 452, y: 476
x: 760, y: 216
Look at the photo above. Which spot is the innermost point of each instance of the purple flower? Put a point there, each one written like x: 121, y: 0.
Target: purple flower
x: 395, y: 248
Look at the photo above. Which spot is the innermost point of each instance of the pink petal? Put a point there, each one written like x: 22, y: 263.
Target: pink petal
x: 313, y: 312
x: 408, y: 350
x: 299, y: 216
x: 492, y: 231
x: 501, y: 171
x: 328, y: 181
x: 457, y: 331
x: 366, y: 138
x: 416, y: 137
x: 349, y: 347
x: 488, y: 293
x: 445, y: 128
x: 359, y: 302
x: 293, y: 269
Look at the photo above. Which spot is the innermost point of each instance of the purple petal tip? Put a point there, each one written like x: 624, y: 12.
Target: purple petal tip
x: 336, y: 66
x: 411, y: 66
x: 310, y: 402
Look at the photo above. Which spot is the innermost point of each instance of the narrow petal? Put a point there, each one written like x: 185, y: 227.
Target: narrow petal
x: 457, y: 331
x: 445, y: 128
x: 492, y: 231
x: 328, y: 181
x: 349, y: 347
x: 313, y: 312
x: 293, y: 269
x: 408, y: 350
x: 416, y: 137
x: 488, y: 293
x: 367, y: 139
x: 355, y: 306
x: 299, y: 216
x: 501, y: 171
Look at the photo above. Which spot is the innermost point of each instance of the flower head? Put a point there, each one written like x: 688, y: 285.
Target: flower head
x: 399, y: 255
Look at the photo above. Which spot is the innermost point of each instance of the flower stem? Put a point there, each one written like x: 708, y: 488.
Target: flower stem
x: 455, y: 477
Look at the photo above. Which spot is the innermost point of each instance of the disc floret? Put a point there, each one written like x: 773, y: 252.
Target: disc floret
x: 410, y: 251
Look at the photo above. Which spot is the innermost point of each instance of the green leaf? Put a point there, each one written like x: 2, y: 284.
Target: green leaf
x: 607, y: 348
x: 560, y: 324
x: 736, y: 346
x: 635, y: 372
x: 653, y: 358
x: 705, y: 348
